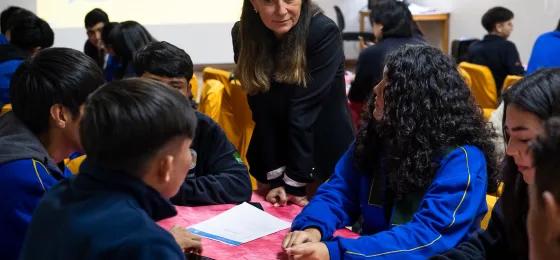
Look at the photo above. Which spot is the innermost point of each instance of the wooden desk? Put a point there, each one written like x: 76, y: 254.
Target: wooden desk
x: 436, y: 17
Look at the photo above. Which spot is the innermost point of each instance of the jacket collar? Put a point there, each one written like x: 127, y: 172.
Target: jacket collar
x: 492, y: 37
x: 93, y: 176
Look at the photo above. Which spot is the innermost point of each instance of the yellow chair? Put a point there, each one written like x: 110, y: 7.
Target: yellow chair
x: 483, y: 86
x: 466, y: 76
x: 510, y: 80
x: 194, y: 88
x: 74, y: 164
x: 490, y: 201
x: 224, y: 100
x: 5, y: 109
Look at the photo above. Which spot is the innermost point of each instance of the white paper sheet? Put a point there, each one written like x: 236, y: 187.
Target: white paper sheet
x: 238, y: 225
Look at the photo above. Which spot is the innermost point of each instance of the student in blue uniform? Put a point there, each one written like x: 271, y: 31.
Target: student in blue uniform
x: 27, y: 35
x: 417, y: 173
x: 546, y: 51
x: 47, y: 91
x: 137, y: 135
x: 220, y: 176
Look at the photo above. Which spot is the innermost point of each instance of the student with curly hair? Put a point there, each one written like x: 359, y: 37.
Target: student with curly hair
x: 418, y: 172
x: 528, y: 104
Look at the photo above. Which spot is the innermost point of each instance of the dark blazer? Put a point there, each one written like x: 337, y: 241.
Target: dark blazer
x: 101, y: 214
x: 306, y: 129
x: 498, y: 54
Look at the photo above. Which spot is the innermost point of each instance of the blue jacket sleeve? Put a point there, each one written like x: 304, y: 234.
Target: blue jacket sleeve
x: 450, y: 209
x: 336, y: 204
x: 22, y: 184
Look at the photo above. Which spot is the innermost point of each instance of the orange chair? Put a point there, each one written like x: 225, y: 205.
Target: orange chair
x: 483, y: 86
x: 510, y: 80
x: 491, y: 200
x: 5, y: 109
x: 224, y: 100
x: 74, y: 164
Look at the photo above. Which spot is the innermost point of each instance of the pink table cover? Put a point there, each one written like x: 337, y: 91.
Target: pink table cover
x: 268, y: 247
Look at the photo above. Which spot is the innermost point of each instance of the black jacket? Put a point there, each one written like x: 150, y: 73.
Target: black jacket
x: 490, y: 244
x: 306, y: 129
x: 220, y: 176
x: 97, y: 55
x: 369, y: 69
x: 101, y: 215
x: 498, y: 54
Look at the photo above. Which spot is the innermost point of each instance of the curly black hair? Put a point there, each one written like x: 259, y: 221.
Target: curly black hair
x: 428, y: 109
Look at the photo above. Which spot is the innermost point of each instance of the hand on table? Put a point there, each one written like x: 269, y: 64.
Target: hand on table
x: 298, y: 237
x: 279, y: 197
x: 308, y: 251
x: 187, y: 241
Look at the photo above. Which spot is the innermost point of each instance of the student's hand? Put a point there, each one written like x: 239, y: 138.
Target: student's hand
x: 187, y: 241
x: 309, y: 251
x: 298, y: 237
x: 279, y: 198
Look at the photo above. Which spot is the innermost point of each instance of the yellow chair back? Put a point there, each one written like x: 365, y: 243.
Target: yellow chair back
x: 225, y: 101
x: 5, y: 109
x: 482, y: 85
x: 510, y: 80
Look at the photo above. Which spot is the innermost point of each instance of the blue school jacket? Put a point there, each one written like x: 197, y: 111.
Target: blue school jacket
x: 418, y: 226
x: 26, y: 173
x: 101, y: 214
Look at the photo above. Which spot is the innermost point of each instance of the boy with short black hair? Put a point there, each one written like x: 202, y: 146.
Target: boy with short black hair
x: 137, y: 135
x: 219, y: 176
x: 47, y: 91
x: 543, y: 220
x: 495, y: 51
x: 27, y: 34
x: 94, y: 22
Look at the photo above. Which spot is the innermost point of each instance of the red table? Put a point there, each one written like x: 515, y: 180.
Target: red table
x: 268, y: 247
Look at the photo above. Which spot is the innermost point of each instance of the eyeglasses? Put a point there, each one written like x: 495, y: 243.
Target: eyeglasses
x: 193, y: 155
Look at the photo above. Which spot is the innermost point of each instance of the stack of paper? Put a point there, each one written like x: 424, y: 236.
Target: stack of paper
x: 238, y: 225
x: 418, y: 9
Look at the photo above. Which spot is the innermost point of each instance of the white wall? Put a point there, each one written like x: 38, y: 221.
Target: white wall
x: 211, y: 43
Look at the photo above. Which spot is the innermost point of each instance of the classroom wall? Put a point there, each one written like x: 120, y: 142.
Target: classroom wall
x: 211, y: 43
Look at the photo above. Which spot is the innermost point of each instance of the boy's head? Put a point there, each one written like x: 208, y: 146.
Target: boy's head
x: 142, y: 128
x: 7, y: 13
x: 543, y: 221
x: 166, y: 63
x: 94, y: 22
x: 498, y: 20
x: 29, y: 32
x: 47, y: 91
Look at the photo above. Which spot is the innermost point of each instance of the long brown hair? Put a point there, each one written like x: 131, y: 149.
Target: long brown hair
x: 263, y: 57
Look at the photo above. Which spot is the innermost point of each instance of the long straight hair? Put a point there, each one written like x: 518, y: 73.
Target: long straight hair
x: 263, y: 57
x: 538, y: 94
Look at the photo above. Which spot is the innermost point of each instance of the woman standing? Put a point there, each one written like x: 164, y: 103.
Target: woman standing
x: 291, y: 63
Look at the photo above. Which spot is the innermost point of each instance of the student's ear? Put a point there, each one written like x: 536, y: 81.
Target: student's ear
x: 59, y: 115
x: 499, y: 27
x: 165, y: 168
x: 552, y: 215
x: 8, y: 35
x: 254, y: 5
